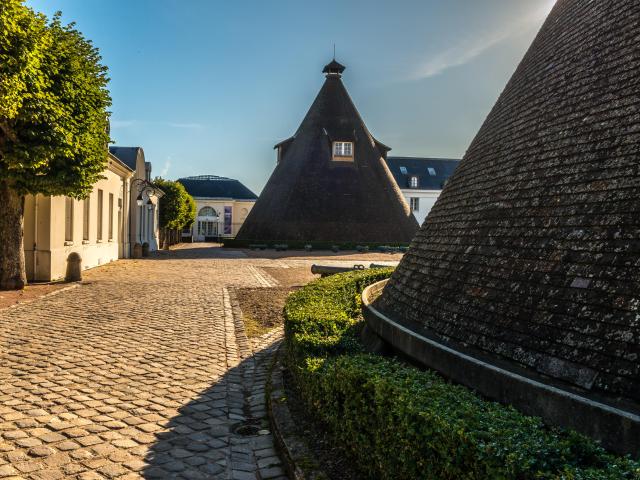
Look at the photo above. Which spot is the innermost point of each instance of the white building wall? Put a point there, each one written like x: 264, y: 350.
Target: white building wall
x: 144, y: 224
x: 239, y: 211
x: 45, y: 246
x: 427, y: 198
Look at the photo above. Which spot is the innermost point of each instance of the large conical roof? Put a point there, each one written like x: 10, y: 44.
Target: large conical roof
x: 310, y: 197
x: 531, y: 255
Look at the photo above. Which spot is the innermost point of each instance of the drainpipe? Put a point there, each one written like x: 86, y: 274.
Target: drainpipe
x: 35, y: 236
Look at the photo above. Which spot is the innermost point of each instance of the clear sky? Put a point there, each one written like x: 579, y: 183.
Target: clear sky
x: 208, y: 87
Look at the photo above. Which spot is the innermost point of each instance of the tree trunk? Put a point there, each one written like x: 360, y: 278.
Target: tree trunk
x: 12, y: 271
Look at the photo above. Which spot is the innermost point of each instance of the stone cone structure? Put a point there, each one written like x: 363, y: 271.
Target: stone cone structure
x: 530, y: 259
x: 311, y: 198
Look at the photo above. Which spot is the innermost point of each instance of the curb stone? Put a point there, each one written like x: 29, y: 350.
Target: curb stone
x: 298, y: 460
x: 50, y: 294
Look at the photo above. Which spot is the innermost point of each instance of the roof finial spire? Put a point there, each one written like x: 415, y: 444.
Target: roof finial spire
x: 334, y: 51
x: 333, y: 68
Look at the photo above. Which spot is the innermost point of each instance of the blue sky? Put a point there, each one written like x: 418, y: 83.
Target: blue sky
x: 208, y: 87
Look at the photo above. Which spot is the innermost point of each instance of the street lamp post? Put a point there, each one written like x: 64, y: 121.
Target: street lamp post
x: 142, y: 185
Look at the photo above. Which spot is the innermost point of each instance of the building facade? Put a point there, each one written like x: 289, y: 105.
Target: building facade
x: 222, y: 205
x: 421, y: 180
x: 143, y: 199
x: 96, y: 228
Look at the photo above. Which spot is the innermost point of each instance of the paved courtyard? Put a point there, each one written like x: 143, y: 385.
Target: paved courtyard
x: 143, y: 371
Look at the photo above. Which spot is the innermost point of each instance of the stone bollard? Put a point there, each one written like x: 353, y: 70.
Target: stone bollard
x: 137, y: 250
x: 74, y: 268
x: 145, y: 249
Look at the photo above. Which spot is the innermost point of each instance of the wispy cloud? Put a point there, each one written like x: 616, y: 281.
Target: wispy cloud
x: 474, y: 46
x: 458, y: 55
x: 165, y: 168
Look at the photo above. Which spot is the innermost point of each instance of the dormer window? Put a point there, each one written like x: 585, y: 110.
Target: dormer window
x: 432, y: 171
x: 413, y: 181
x: 343, y: 151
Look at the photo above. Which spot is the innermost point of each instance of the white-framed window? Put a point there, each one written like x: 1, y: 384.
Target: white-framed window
x: 207, y: 228
x: 86, y: 215
x: 413, y: 181
x: 342, y: 150
x: 110, y: 229
x: 68, y: 219
x: 100, y: 220
x: 207, y: 212
x: 414, y: 202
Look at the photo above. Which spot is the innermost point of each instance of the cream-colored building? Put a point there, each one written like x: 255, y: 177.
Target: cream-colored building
x: 144, y: 226
x: 97, y: 228
x: 222, y: 205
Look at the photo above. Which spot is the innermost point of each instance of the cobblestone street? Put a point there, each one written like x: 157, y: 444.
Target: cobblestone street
x: 142, y: 371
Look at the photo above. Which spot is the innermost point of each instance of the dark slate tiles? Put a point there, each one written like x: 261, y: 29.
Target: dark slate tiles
x: 532, y: 253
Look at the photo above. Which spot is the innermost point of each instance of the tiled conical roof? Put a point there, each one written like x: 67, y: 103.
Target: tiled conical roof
x: 531, y: 256
x: 309, y: 197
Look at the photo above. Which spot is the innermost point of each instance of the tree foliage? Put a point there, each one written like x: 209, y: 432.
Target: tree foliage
x: 191, y: 209
x: 177, y: 207
x: 54, y: 125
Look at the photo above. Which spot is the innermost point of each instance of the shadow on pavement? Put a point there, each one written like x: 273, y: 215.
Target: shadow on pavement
x: 223, y: 433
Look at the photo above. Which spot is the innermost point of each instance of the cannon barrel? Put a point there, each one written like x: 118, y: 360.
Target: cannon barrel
x: 325, y: 270
x: 379, y: 265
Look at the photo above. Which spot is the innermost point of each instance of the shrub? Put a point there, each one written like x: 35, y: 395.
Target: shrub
x: 399, y: 422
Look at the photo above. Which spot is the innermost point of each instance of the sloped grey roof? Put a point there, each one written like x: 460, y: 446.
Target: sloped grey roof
x: 124, y: 165
x: 213, y: 186
x: 432, y: 173
x: 127, y: 155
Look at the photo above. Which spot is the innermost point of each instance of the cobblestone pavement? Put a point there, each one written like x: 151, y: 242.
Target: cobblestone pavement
x: 143, y: 371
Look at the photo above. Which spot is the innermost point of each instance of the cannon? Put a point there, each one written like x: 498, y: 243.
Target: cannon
x: 326, y: 270
x: 379, y: 265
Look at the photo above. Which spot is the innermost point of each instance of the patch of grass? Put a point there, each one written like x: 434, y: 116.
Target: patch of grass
x: 254, y: 328
x: 262, y: 309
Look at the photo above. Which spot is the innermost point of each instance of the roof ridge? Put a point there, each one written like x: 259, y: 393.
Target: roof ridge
x: 208, y: 177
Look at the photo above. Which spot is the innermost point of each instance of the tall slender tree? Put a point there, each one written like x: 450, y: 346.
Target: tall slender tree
x: 177, y: 207
x: 54, y: 125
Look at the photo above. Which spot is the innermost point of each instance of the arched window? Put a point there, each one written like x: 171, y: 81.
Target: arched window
x: 207, y: 212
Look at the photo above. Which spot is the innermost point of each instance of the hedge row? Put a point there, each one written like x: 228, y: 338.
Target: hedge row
x: 399, y: 422
x: 300, y: 245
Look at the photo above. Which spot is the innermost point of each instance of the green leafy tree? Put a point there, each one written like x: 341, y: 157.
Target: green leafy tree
x: 191, y: 211
x: 177, y: 207
x: 54, y: 125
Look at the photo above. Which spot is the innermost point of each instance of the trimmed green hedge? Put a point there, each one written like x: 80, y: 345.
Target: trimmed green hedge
x: 399, y: 422
x: 299, y: 245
